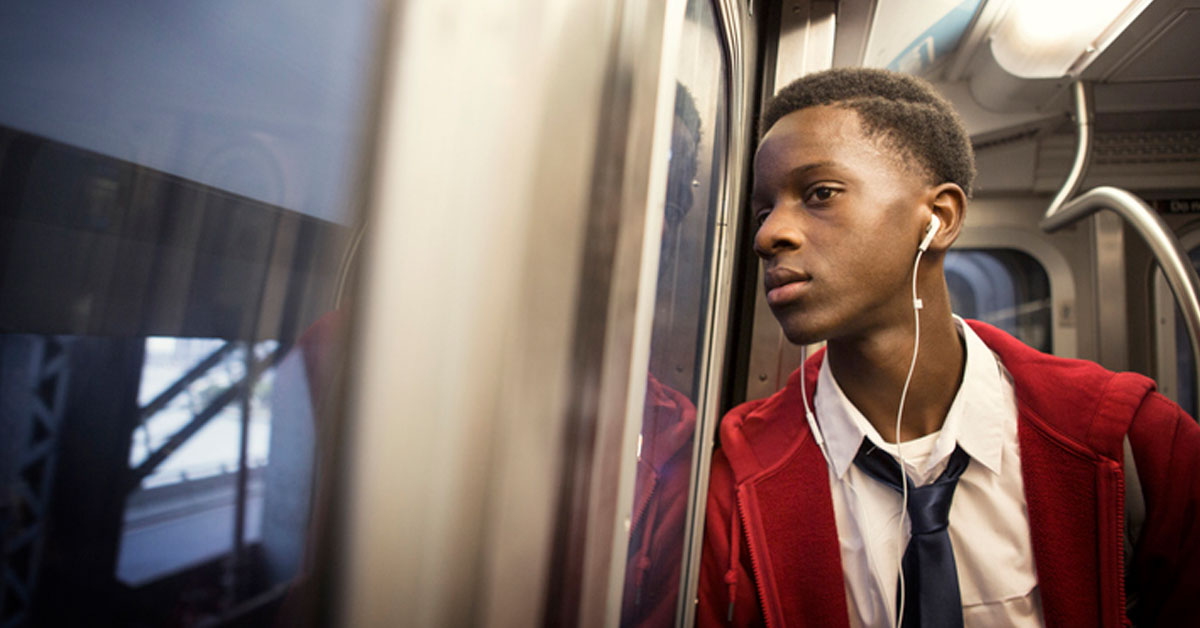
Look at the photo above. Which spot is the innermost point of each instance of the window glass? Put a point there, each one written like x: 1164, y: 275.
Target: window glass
x: 680, y: 328
x: 176, y: 217
x: 1003, y: 287
x: 1185, y: 371
x: 158, y: 535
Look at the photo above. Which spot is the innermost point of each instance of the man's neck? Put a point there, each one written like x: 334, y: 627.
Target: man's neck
x: 871, y: 372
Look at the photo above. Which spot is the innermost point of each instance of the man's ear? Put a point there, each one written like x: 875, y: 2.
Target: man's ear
x: 948, y: 202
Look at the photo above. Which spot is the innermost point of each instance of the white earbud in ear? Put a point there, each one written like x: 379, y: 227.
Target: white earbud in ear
x: 930, y: 231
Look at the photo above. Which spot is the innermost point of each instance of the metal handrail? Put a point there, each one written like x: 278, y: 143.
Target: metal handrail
x: 1083, y: 146
x: 1169, y: 254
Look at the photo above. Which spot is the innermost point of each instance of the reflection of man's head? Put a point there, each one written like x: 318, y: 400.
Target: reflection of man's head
x: 673, y: 341
x: 685, y: 144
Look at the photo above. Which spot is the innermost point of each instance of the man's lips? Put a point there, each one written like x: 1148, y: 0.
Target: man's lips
x: 784, y: 285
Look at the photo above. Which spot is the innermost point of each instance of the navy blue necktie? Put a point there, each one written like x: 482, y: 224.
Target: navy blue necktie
x: 930, y: 576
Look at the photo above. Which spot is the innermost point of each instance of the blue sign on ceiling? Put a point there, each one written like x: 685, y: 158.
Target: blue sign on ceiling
x: 938, y: 40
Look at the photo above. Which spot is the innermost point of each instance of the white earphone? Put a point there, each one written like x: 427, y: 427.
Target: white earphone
x: 930, y: 230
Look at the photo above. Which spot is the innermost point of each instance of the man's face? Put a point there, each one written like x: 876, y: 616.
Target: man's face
x: 839, y: 219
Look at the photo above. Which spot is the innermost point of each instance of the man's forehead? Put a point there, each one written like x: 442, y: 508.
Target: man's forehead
x: 803, y: 129
x: 817, y: 119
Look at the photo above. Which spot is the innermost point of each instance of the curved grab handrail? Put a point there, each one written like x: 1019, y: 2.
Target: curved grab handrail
x: 1166, y: 248
x: 1083, y: 146
x: 1169, y: 254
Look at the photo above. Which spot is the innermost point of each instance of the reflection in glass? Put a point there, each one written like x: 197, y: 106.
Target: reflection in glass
x: 214, y: 448
x: 193, y: 485
x: 664, y: 460
x: 176, y: 205
x: 1005, y: 288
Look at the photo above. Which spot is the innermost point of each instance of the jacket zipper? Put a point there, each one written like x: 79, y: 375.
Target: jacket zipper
x: 640, y: 514
x: 758, y: 580
x: 1122, y: 620
x: 639, y: 525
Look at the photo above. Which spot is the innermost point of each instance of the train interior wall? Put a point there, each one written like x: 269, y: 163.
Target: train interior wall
x: 1112, y: 310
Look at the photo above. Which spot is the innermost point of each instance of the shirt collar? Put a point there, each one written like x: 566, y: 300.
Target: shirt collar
x: 973, y: 421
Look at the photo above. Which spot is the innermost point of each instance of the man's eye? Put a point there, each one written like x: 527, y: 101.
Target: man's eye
x: 822, y: 194
x: 761, y: 216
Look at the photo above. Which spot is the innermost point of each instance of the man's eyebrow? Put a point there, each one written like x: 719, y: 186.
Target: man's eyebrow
x: 792, y: 175
x: 799, y: 170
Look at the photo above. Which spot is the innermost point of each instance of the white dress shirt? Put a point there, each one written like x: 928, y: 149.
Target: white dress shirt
x: 989, y: 526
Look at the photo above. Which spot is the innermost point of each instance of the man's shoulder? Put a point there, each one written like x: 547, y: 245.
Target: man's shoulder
x: 1078, y: 398
x: 757, y: 434
x: 1026, y: 363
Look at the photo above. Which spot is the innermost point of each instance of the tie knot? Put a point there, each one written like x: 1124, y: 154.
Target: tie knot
x: 929, y: 505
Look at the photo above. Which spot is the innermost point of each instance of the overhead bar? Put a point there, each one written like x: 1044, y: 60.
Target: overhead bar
x: 1150, y: 226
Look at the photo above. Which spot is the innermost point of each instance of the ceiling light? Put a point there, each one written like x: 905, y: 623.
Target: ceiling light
x: 1056, y: 38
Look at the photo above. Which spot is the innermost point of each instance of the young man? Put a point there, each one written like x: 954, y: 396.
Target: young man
x: 1014, y: 460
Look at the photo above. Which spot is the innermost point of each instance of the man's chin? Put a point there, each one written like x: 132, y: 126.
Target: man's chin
x: 804, y: 334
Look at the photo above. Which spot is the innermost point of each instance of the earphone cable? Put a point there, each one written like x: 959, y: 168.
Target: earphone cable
x: 912, y: 365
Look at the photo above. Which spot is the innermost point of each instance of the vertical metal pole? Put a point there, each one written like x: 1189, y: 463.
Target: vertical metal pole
x: 237, y: 563
x: 1108, y: 286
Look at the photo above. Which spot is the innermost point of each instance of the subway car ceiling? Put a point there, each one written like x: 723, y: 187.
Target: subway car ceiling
x: 1146, y: 87
x: 389, y: 312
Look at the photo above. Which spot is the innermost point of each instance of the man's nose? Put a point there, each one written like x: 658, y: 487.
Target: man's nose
x: 776, y: 234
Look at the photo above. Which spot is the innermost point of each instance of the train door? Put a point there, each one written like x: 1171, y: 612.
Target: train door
x: 1175, y: 371
x: 544, y: 299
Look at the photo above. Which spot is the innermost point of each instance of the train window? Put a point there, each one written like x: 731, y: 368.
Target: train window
x: 680, y: 327
x: 1178, y: 378
x: 1003, y: 287
x: 177, y: 212
x: 209, y: 458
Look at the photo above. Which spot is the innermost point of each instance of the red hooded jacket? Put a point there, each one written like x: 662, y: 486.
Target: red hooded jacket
x: 660, y: 496
x: 771, y: 553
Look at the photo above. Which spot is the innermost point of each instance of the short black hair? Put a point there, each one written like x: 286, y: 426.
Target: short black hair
x: 907, y: 111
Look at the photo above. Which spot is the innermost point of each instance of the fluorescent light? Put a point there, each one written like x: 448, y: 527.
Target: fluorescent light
x: 1056, y: 38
